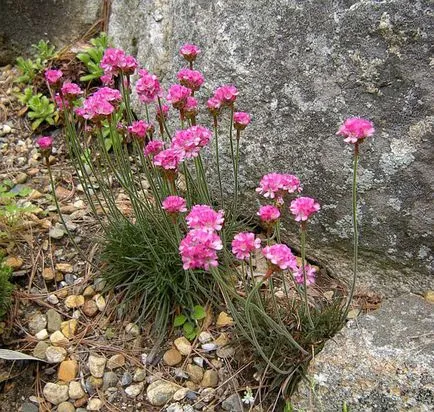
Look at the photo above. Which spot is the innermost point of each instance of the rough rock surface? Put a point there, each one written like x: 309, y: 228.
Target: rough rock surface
x: 383, y: 361
x: 302, y: 67
x: 25, y: 22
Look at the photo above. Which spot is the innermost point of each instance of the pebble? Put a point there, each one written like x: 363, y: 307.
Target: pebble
x: 233, y: 403
x: 180, y: 394
x: 68, y: 370
x: 222, y: 340
x: 6, y: 129
x: 14, y: 262
x: 225, y: 352
x: 56, y: 232
x: 79, y: 204
x: 132, y: 329
x: 198, y: 361
x: 42, y: 334
x: 64, y: 267
x: 70, y: 278
x: 139, y: 375
x: 210, y: 379
x: 116, y: 361
x: 429, y: 296
x: 205, y: 337
x: 53, y: 299
x: 55, y: 354
x: 58, y: 339
x: 99, y: 284
x: 37, y: 322
x: 209, y: 347
x: 133, y: 390
x: 183, y: 345
x: 89, y: 292
x: 172, y: 357
x: 207, y: 395
x: 74, y: 301
x: 66, y: 407
x: 69, y: 327
x: 94, y: 404
x: 109, y: 380
x: 40, y: 350
x: 55, y: 393
x: 76, y: 390
x: 126, y: 379
x: 97, y: 365
x: 90, y: 308
x: 223, y: 320
x: 100, y: 302
x: 54, y: 320
x: 29, y: 407
x: 160, y: 392
x: 195, y: 373
x: 92, y: 384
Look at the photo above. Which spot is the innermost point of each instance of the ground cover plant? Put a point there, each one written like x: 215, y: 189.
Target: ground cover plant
x: 181, y: 245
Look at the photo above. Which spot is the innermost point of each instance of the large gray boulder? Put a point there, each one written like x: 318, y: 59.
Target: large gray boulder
x: 383, y: 361
x: 302, y: 67
x: 25, y: 22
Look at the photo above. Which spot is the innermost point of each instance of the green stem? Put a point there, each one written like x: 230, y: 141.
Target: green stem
x: 218, y: 160
x: 236, y: 162
x: 231, y: 140
x: 303, y: 266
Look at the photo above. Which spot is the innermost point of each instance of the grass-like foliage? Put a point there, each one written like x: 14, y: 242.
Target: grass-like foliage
x: 6, y: 288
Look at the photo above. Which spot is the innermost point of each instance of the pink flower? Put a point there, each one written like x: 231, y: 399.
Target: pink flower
x: 115, y: 61
x: 303, y: 207
x: 268, y: 213
x: 128, y: 65
x: 202, y: 133
x: 214, y: 105
x: 189, y: 52
x: 241, y: 120
x: 59, y: 102
x: 177, y: 96
x: 244, y: 244
x: 139, y: 129
x: 169, y: 159
x: 53, y: 76
x: 187, y: 142
x: 310, y: 275
x: 100, y: 104
x: 204, y: 217
x: 45, y: 143
x: 355, y: 129
x: 107, y: 79
x: 108, y: 94
x: 148, y: 87
x: 199, y: 249
x: 280, y: 255
x: 174, y: 204
x: 192, y: 79
x: 153, y: 147
x: 162, y: 113
x: 276, y: 185
x: 71, y: 90
x: 226, y: 94
x: 190, y: 108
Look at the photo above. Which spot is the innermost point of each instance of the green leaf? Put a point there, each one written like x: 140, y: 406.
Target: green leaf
x: 198, y: 312
x: 108, y: 144
x: 179, y: 320
x: 188, y: 329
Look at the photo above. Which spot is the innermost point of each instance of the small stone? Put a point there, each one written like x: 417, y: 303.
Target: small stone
x: 207, y: 395
x: 223, y: 320
x: 81, y: 402
x: 209, y: 347
x: 6, y: 129
x: 69, y: 327
x: 29, y: 407
x: 14, y: 262
x: 58, y: 339
x: 100, y: 302
x: 132, y: 329
x: 40, y: 350
x: 66, y: 407
x: 94, y: 404
x: 56, y: 232
x: 48, y: 274
x: 64, y: 267
x: 109, y: 380
x: 55, y: 354
x: 92, y: 384
x: 133, y: 390
x: 159, y: 392
x: 76, y: 390
x: 139, y: 375
x: 99, y: 284
x: 74, y: 301
x: 55, y: 393
x: 233, y: 403
x: 180, y: 374
x: 116, y: 361
x: 180, y: 394
x: 353, y: 313
x: 198, y: 361
x: 225, y: 352
x: 126, y: 379
x: 97, y: 365
x: 42, y: 334
x: 195, y: 373
x: 89, y: 292
x: 204, y: 337
x: 222, y: 340
x: 37, y: 322
x: 54, y: 320
x: 90, y: 308
x: 210, y: 379
x: 429, y: 296
x: 70, y: 278
x: 191, y: 385
x: 217, y: 364
x: 68, y: 370
x: 79, y: 204
x: 53, y: 299
x: 183, y: 346
x: 172, y: 357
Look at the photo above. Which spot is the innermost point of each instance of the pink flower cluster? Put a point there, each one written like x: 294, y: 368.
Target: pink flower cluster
x: 192, y: 79
x: 174, y: 204
x: 177, y: 95
x: 244, y: 244
x: 45, y: 143
x: 169, y: 159
x: 153, y: 147
x: 139, y: 129
x: 268, y: 213
x: 226, y: 94
x: 115, y: 61
x: 189, y: 52
x: 310, y: 275
x: 70, y: 90
x: 355, y: 129
x: 148, y: 87
x: 281, y: 256
x: 191, y: 140
x: 53, y: 76
x: 275, y: 185
x: 100, y: 104
x: 205, y: 217
x: 303, y: 207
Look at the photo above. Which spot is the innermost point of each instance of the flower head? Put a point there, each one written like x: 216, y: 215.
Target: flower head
x: 226, y: 94
x: 199, y: 249
x: 148, y: 87
x: 192, y: 79
x: 310, y: 275
x: 204, y: 217
x: 53, y: 76
x: 187, y: 142
x: 189, y: 52
x: 277, y: 184
x: 71, y: 90
x: 45, y: 143
x: 177, y: 95
x: 169, y: 159
x: 303, y: 207
x: 214, y: 106
x: 100, y: 104
x: 153, y: 147
x: 190, y: 108
x: 281, y: 256
x: 241, y: 120
x: 115, y: 61
x: 139, y: 129
x: 174, y: 204
x: 355, y: 129
x: 244, y: 244
x: 268, y: 213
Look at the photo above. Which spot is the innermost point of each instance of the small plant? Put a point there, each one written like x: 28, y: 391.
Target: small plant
x: 41, y: 109
x: 189, y: 321
x: 92, y: 57
x: 44, y: 51
x: 6, y: 288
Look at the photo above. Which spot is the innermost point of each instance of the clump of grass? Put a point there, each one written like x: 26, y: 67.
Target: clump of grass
x: 6, y: 288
